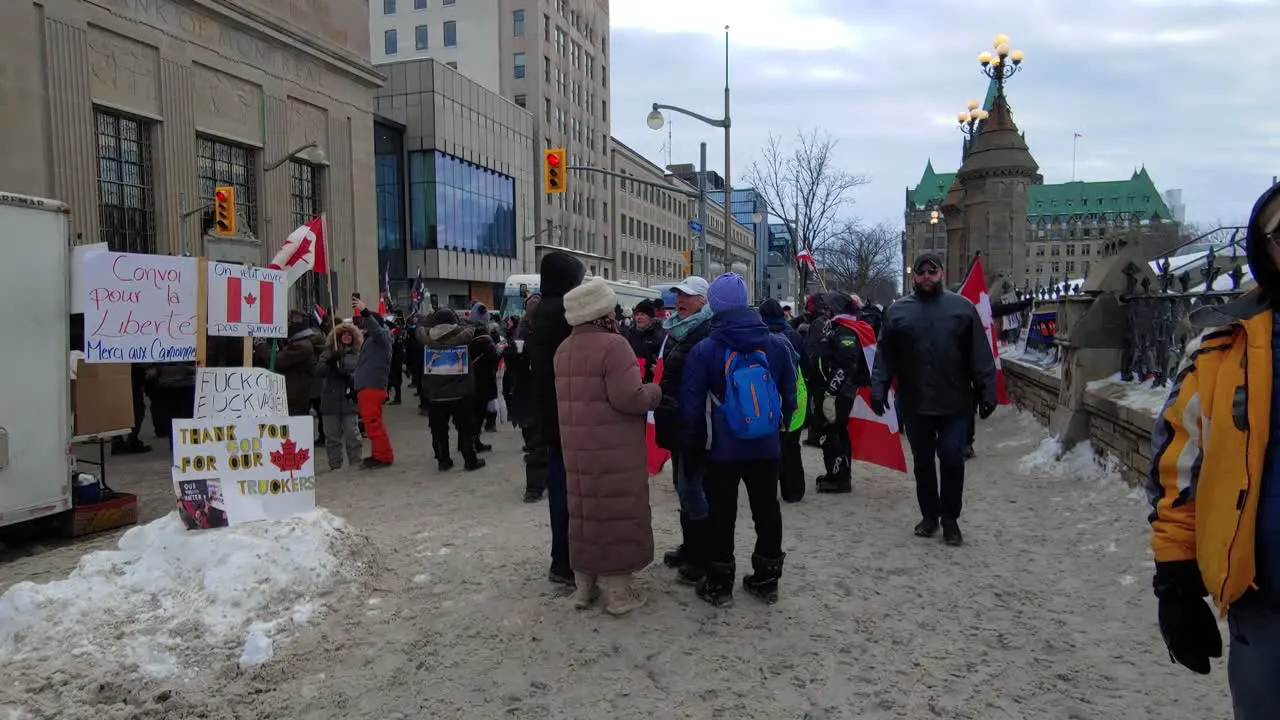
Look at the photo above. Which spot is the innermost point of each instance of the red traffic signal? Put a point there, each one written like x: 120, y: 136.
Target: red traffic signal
x: 553, y: 159
x: 221, y: 195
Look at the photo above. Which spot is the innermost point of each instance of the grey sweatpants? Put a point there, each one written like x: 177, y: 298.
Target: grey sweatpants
x: 1253, y: 665
x: 342, y: 431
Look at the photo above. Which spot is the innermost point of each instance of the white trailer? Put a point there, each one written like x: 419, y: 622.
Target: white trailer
x: 35, y: 409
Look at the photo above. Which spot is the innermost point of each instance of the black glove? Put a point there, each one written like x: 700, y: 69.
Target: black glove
x: 333, y: 361
x: 877, y: 405
x: 985, y: 409
x: 1187, y: 623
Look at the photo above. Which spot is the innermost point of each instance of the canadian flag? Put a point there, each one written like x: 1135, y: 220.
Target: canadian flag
x: 806, y: 257
x: 303, y: 251
x: 251, y: 302
x: 975, y: 291
x: 655, y: 457
x: 875, y: 439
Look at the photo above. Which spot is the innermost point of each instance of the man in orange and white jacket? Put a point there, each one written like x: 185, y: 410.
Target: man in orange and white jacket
x: 1215, y: 484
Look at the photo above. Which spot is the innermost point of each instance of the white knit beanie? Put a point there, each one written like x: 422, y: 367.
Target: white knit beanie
x: 589, y: 301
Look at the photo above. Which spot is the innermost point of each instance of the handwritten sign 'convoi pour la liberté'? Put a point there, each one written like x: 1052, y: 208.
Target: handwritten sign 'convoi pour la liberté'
x: 236, y: 470
x: 138, y: 308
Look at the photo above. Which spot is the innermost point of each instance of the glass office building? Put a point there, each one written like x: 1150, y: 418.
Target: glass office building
x: 457, y: 205
x: 746, y: 203
x: 388, y: 148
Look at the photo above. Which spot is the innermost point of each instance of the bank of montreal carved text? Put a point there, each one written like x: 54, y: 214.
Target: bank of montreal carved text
x: 195, y: 27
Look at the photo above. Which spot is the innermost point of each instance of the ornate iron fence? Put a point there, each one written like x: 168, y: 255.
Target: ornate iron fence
x: 1157, y: 311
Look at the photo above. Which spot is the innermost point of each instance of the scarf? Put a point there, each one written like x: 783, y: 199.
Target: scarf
x: 678, y: 327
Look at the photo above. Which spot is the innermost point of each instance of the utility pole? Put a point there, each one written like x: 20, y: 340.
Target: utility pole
x: 704, y: 252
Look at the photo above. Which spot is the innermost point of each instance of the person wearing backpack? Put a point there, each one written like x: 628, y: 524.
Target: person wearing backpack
x: 739, y: 383
x: 791, y: 465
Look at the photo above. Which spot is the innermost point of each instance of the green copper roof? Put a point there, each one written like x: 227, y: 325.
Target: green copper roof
x: 1137, y: 195
x: 931, y: 188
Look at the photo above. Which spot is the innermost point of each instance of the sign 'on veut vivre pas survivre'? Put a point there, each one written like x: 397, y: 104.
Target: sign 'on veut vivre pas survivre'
x: 228, y: 471
x: 247, y: 301
x: 138, y: 308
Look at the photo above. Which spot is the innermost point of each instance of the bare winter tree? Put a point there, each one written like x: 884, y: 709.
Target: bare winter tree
x: 805, y: 187
x: 862, y: 260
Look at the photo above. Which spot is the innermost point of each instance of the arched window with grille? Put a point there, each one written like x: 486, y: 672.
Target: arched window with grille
x: 126, y: 203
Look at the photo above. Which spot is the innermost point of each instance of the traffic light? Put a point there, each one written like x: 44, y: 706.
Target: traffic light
x: 553, y: 170
x: 224, y: 210
x: 688, y: 262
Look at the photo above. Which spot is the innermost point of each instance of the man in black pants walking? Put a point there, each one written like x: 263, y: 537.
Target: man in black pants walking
x: 934, y: 345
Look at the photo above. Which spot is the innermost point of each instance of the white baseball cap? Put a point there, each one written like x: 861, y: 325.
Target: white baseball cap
x: 692, y: 285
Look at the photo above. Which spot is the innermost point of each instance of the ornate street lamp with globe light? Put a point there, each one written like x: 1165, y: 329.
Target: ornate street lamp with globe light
x: 1003, y: 64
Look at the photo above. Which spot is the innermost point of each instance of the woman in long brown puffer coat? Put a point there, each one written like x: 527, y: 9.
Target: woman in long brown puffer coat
x: 602, y: 404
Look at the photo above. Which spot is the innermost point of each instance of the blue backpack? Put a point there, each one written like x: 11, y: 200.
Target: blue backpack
x: 752, y: 407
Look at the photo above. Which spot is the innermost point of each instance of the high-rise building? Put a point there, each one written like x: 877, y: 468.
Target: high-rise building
x: 550, y: 57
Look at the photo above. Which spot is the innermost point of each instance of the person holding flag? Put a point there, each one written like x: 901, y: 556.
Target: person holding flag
x: 974, y: 289
x: 842, y: 365
x: 933, y: 345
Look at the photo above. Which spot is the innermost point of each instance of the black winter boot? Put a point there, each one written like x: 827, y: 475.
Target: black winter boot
x: 717, y: 586
x: 763, y: 583
x: 675, y: 558
x: 694, y: 567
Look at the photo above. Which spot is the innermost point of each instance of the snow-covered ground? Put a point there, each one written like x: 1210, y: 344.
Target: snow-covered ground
x: 1046, y: 613
x: 169, y: 603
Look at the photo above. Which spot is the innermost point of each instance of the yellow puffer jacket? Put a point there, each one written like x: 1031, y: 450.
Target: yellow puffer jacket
x: 1209, y: 444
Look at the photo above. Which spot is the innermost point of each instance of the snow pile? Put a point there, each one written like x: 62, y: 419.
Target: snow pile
x: 1080, y: 463
x: 168, y: 597
x: 1139, y: 396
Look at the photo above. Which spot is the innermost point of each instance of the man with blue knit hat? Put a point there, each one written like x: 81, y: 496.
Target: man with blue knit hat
x: 740, y: 384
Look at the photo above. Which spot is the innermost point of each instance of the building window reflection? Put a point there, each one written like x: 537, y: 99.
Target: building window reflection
x: 304, y: 204
x: 126, y: 206
x: 388, y: 147
x: 224, y: 163
x: 457, y: 205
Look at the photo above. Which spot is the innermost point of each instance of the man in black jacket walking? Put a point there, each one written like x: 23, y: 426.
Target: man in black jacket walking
x: 933, y: 344
x: 561, y: 272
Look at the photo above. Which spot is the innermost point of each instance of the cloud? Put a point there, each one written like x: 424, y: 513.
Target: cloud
x: 1183, y: 87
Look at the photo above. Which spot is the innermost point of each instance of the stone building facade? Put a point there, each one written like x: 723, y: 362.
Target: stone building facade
x: 131, y: 111
x: 650, y: 225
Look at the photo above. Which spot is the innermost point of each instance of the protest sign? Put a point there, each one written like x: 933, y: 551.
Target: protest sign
x: 446, y: 361
x: 138, y: 308
x: 247, y: 301
x: 257, y: 468
x: 236, y: 392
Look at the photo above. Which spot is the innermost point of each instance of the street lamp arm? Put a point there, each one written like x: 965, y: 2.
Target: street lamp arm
x: 724, y: 123
x: 290, y: 156
x: 634, y: 179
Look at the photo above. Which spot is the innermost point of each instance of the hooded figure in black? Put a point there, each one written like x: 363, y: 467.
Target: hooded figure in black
x: 843, y: 369
x: 790, y: 465
x: 818, y: 313
x: 449, y: 390
x: 560, y: 273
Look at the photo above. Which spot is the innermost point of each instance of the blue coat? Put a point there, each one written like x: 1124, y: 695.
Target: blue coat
x: 744, y: 331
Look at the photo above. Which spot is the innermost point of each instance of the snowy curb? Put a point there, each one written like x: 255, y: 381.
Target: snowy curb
x: 170, y: 601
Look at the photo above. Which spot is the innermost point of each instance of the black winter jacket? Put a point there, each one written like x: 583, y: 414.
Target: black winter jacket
x: 646, y: 344
x: 561, y: 272
x: 667, y: 426
x: 936, y: 349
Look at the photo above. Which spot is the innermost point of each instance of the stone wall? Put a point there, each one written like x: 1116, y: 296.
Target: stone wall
x: 1120, y: 431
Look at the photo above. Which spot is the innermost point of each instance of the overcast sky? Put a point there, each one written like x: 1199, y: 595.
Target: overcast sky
x: 1187, y: 87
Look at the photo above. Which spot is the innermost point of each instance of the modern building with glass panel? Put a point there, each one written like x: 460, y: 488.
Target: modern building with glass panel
x: 131, y: 112
x: 455, y: 184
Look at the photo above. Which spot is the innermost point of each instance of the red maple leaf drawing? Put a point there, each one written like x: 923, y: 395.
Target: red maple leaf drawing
x: 289, y: 458
x: 250, y: 299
